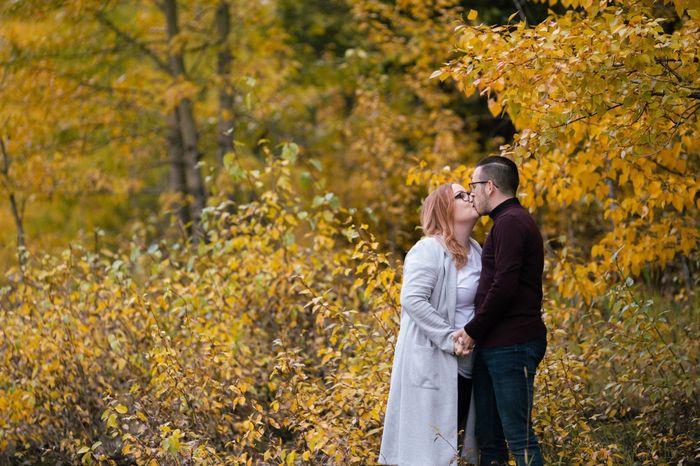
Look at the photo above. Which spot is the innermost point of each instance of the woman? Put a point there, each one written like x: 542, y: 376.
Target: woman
x: 430, y: 385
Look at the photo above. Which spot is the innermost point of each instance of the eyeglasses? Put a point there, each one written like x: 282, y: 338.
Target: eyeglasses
x: 473, y: 184
x: 464, y: 196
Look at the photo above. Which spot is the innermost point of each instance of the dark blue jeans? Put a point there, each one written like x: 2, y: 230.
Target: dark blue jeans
x: 504, y: 380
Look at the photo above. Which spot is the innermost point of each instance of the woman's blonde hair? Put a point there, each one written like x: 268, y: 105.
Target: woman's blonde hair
x: 436, y: 217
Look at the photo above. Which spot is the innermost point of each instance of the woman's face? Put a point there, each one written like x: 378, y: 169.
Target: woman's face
x: 464, y: 207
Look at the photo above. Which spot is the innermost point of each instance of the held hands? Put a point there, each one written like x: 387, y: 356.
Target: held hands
x: 464, y: 344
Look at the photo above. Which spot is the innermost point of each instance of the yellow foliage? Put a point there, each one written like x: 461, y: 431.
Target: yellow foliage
x: 606, y: 114
x: 250, y: 348
x: 271, y: 340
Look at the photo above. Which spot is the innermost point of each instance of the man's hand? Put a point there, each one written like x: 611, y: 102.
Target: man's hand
x: 464, y: 344
x: 459, y: 348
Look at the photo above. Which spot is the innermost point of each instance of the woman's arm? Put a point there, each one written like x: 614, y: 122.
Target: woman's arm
x: 420, y: 272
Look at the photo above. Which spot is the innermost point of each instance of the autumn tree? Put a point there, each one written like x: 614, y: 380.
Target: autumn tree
x: 606, y: 104
x: 134, y: 87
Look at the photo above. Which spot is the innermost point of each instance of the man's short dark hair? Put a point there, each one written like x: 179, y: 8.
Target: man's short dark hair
x: 502, y: 171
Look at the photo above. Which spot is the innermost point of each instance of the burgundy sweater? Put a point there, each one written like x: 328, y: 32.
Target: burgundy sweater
x: 508, y: 302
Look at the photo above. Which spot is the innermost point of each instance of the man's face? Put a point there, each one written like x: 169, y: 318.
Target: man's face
x: 479, y: 192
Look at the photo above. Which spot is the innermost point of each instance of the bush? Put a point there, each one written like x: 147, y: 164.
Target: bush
x: 272, y: 341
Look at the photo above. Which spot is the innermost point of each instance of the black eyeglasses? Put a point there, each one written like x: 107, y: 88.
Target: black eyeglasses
x: 474, y: 183
x: 463, y: 195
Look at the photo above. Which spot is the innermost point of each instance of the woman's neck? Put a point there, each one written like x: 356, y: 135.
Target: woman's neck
x: 462, y: 233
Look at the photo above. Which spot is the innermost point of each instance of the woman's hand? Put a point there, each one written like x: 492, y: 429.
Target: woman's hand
x: 463, y: 343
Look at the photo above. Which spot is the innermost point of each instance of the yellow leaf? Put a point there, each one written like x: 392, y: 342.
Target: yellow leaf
x: 472, y: 15
x: 677, y: 202
x: 121, y: 409
x: 494, y: 107
x: 680, y: 7
x: 112, y: 421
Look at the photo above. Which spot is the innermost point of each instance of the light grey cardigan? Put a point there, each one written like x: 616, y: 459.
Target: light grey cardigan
x: 420, y: 425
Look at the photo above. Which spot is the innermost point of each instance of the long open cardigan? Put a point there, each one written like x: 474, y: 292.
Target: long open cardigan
x: 420, y: 425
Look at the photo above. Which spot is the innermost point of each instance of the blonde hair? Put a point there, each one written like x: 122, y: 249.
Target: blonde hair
x: 436, y: 220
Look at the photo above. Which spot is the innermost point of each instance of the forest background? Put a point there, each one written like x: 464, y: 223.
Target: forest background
x: 205, y: 205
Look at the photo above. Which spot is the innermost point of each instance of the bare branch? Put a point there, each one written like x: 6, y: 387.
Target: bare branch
x: 140, y: 45
x: 583, y: 117
x: 664, y: 63
x: 5, y: 157
x: 521, y: 11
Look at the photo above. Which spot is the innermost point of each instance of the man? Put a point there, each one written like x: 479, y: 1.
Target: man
x: 507, y: 332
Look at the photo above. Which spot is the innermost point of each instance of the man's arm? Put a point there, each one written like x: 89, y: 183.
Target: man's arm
x: 509, y: 247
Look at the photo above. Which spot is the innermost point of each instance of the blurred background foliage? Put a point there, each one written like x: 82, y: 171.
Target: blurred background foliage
x: 205, y: 206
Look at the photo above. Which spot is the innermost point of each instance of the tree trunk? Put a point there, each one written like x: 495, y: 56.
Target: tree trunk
x: 178, y: 170
x: 20, y: 230
x: 16, y: 214
x: 186, y: 123
x: 223, y: 68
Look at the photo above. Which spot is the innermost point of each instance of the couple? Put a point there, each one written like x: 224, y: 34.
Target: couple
x: 471, y: 334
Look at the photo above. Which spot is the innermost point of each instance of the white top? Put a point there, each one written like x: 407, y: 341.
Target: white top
x: 467, y: 282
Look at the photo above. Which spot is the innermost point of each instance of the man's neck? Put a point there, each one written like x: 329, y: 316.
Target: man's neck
x: 499, y: 199
x: 498, y: 204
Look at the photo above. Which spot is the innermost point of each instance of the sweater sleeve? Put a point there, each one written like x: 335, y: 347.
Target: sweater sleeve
x: 420, y: 273
x: 508, y: 245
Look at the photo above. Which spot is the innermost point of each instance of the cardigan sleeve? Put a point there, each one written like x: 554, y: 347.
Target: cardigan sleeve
x: 420, y: 273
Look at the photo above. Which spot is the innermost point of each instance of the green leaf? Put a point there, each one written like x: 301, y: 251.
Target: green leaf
x: 290, y: 151
x: 306, y: 180
x: 289, y: 238
x: 316, y: 164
